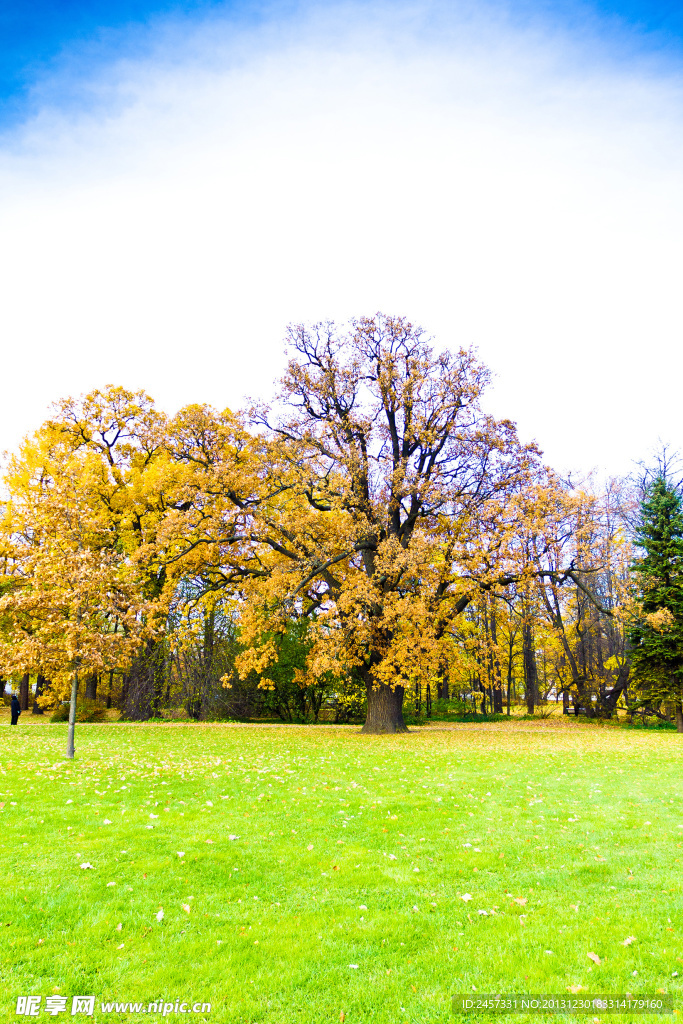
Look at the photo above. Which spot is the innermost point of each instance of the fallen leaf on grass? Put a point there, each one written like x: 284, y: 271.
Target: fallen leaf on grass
x: 181, y: 853
x: 121, y: 946
x: 186, y: 907
x: 574, y: 989
x: 310, y: 846
x: 119, y: 927
x: 594, y: 957
x: 465, y: 897
x: 233, y: 837
x: 629, y: 940
x: 520, y: 901
x: 86, y: 864
x: 160, y: 916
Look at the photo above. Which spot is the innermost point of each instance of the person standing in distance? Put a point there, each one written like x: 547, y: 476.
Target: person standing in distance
x: 15, y: 709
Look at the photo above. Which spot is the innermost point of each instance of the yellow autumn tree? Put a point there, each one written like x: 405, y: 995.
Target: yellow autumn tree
x: 137, y: 481
x: 376, y: 498
x: 71, y: 600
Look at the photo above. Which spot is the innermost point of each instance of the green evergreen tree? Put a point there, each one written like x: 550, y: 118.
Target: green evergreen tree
x: 656, y: 634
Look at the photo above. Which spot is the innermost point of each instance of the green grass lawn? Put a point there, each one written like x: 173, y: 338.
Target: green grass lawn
x: 308, y: 872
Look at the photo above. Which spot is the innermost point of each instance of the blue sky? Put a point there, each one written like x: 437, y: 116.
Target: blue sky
x: 180, y: 181
x: 40, y: 37
x: 45, y: 36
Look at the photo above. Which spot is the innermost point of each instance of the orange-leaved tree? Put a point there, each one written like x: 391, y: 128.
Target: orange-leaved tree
x: 377, y: 499
x: 71, y: 596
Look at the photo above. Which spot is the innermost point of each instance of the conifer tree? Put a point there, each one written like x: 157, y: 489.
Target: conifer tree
x: 656, y: 634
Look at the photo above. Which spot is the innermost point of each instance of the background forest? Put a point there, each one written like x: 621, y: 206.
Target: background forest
x: 372, y: 546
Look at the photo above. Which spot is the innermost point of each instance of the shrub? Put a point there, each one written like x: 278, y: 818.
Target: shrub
x: 86, y: 711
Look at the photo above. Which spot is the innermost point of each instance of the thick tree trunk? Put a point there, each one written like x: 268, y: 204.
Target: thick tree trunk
x: 610, y: 699
x: 385, y: 710
x: 496, y: 675
x: 679, y: 717
x: 125, y: 685
x: 530, y: 671
x: 91, y: 687
x: 23, y: 692
x: 111, y: 683
x: 40, y: 686
x: 510, y: 675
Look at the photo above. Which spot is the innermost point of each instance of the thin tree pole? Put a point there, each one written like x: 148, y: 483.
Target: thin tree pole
x: 70, y: 749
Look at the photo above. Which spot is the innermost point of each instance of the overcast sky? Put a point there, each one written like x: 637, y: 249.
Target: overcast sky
x: 178, y: 182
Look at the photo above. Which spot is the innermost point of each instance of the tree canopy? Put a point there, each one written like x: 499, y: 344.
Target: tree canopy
x: 370, y: 531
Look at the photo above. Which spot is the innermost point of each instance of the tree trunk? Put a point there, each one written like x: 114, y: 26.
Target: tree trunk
x: 111, y: 683
x: 510, y: 674
x: 40, y: 686
x: 70, y: 749
x: 91, y: 686
x: 610, y: 699
x: 125, y: 684
x: 530, y: 671
x: 385, y: 710
x: 497, y: 681
x: 23, y: 692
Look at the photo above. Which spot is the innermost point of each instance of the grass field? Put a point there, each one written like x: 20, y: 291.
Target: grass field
x: 306, y: 873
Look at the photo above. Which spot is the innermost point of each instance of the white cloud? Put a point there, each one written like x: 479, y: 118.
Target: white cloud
x: 519, y: 189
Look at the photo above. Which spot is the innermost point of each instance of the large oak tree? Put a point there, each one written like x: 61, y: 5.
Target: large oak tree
x: 377, y: 498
